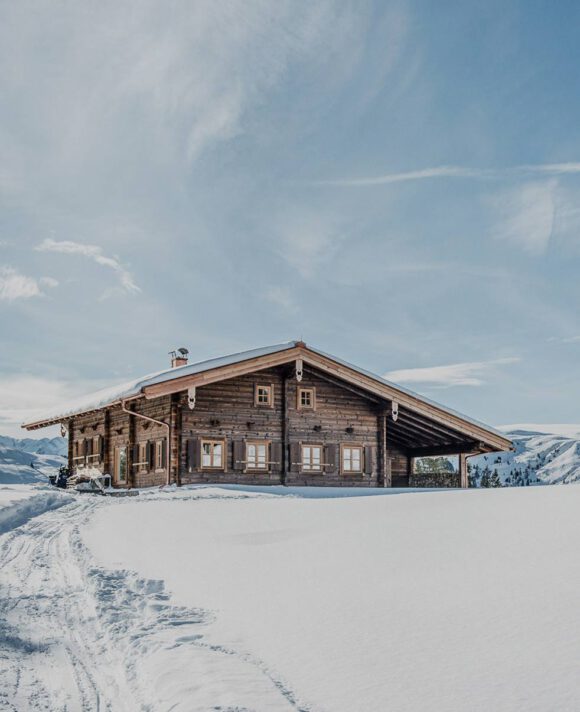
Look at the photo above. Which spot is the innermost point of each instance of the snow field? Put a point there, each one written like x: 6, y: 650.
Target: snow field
x: 449, y: 600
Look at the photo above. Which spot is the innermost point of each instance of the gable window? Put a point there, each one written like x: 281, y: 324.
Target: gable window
x: 264, y: 395
x: 212, y: 454
x: 312, y: 458
x: 257, y: 456
x: 352, y: 459
x: 306, y: 398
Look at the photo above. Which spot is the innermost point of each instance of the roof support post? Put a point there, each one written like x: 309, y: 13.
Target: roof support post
x: 106, y: 443
x: 71, y: 437
x: 463, y: 479
x: 385, y: 475
x: 285, y: 430
x: 174, y: 454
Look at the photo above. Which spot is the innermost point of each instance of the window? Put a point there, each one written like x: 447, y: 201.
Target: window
x: 306, y: 399
x: 121, y: 465
x: 257, y: 456
x: 142, y: 464
x: 212, y: 454
x: 159, y: 464
x: 312, y: 458
x: 79, y: 453
x: 95, y: 452
x: 351, y: 458
x: 263, y: 395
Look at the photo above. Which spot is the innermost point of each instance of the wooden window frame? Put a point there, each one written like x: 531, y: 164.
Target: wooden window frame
x: 143, y: 463
x: 116, y: 468
x: 79, y: 460
x: 213, y: 442
x: 96, y: 451
x: 158, y: 464
x: 270, y: 390
x: 299, y: 392
x: 311, y: 471
x: 255, y: 468
x: 352, y: 446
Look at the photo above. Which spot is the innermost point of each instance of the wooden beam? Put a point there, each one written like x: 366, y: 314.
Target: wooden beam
x: 285, y: 429
x: 449, y: 449
x: 221, y: 374
x: 340, y: 382
x: 463, y: 479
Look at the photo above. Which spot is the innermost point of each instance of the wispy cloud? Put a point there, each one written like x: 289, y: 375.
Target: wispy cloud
x: 14, y: 285
x: 435, y: 172
x: 566, y: 339
x: 308, y: 240
x: 92, y: 252
x: 456, y: 374
x: 526, y: 215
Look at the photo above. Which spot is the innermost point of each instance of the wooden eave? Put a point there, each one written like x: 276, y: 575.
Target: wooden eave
x: 427, y: 416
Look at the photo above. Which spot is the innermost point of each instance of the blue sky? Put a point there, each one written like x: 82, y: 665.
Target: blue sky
x: 397, y: 183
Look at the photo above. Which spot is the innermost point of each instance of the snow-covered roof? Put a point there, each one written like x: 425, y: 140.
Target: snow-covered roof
x: 114, y: 394
x: 130, y: 389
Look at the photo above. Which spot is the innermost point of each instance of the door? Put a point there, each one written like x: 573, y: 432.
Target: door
x: 120, y: 472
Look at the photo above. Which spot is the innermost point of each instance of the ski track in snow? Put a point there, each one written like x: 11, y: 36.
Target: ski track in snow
x: 75, y: 636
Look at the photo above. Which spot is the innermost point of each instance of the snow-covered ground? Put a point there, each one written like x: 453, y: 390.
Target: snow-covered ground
x: 226, y: 599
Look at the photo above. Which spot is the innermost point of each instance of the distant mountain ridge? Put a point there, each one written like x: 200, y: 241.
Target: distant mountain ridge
x: 28, y: 460
x: 544, y: 454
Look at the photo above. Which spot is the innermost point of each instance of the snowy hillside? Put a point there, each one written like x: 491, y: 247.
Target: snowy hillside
x: 543, y: 454
x: 29, y: 460
x: 233, y: 599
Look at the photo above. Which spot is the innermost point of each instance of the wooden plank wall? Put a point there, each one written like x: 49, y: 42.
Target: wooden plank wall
x: 226, y: 411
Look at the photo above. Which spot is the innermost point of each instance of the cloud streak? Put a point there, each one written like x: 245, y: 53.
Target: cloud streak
x: 456, y: 374
x: 95, y: 253
x: 14, y: 285
x: 436, y: 172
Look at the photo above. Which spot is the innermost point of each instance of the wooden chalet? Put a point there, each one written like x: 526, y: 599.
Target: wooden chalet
x: 286, y: 414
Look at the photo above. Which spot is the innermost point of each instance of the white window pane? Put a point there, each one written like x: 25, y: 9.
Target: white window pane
x: 206, y: 460
x: 217, y: 460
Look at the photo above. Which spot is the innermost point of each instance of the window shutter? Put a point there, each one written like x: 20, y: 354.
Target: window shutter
x: 151, y: 454
x: 330, y: 458
x: 193, y: 459
x: 276, y: 456
x: 295, y: 457
x: 100, y: 448
x: 369, y: 459
x: 239, y: 454
x: 164, y: 452
x: 135, y: 454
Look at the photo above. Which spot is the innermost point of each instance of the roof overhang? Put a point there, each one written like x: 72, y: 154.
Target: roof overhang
x: 423, y: 427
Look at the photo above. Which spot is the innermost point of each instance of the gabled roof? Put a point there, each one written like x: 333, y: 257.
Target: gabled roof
x: 173, y: 380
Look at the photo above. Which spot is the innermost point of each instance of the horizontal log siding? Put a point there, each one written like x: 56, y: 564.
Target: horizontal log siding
x: 160, y: 409
x: 336, y: 410
x: 231, y: 403
x: 90, y: 425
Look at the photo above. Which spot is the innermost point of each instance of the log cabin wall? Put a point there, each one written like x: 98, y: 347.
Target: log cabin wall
x: 336, y: 411
x: 226, y: 411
